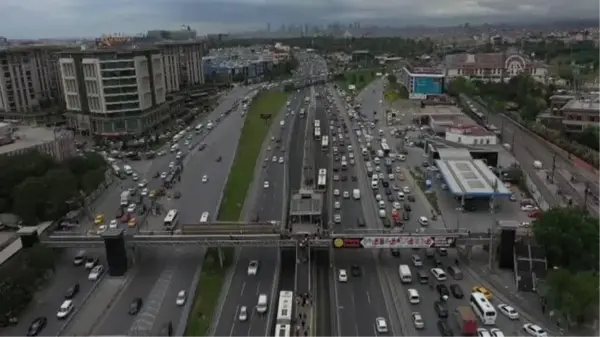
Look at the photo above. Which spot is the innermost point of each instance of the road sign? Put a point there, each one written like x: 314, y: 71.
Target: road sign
x: 400, y: 241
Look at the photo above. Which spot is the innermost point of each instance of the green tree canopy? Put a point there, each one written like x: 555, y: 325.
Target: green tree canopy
x: 590, y: 137
x: 392, y: 78
x: 569, y: 237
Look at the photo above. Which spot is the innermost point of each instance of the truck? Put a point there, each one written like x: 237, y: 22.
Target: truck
x: 124, y: 198
x: 466, y: 320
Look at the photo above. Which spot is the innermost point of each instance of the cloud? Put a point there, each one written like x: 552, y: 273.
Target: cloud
x: 78, y: 18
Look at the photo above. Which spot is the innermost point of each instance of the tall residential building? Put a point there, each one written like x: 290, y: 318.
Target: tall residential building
x: 183, y: 64
x: 114, y: 92
x: 29, y: 82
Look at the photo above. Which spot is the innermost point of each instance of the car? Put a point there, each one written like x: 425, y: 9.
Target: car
x: 406, y: 189
x: 181, y: 298
x: 534, y: 330
x: 79, y: 258
x: 508, y: 311
x: 274, y: 159
x: 528, y: 208
x: 406, y: 216
x: 90, y: 262
x: 66, y: 308
x: 407, y: 207
x: 37, y: 326
x: 423, y: 221
x: 395, y: 187
x: 336, y: 192
x: 443, y: 291
x: 132, y: 222
x: 243, y: 314
x: 484, y: 291
x: 337, y: 218
x: 72, y: 291
x: 163, y: 175
x: 354, y: 178
x: 391, y: 176
x: 396, y: 205
x: 253, y: 267
x: 444, y: 328
x: 281, y: 160
x: 336, y: 177
x: 96, y: 272
x: 131, y: 208
x: 495, y: 332
x: 337, y: 205
x: 266, y: 184
x: 416, y: 260
x: 355, y: 270
x: 418, y: 320
x: 346, y: 194
x: 456, y: 291
x: 381, y: 325
x: 143, y: 183
x: 135, y: 177
x: 172, y: 165
x: 411, y: 198
x: 135, y: 306
x: 101, y: 229
x: 99, y: 219
x: 204, y: 178
x: 378, y: 197
x: 342, y: 275
x: 144, y: 191
x: 481, y: 332
x: 344, y: 178
x: 440, y: 309
x: 113, y: 223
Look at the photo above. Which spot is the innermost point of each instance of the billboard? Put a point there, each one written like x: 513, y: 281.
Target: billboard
x: 428, y: 85
x: 400, y: 241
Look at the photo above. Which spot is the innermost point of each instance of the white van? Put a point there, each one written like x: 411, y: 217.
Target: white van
x: 204, y: 217
x: 262, y: 305
x: 356, y: 194
x: 282, y: 123
x: 405, y: 274
x: 382, y: 213
x: 413, y: 296
x: 65, y: 309
x: 128, y: 169
x: 438, y: 273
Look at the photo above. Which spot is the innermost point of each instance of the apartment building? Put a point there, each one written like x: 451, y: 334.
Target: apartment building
x: 29, y: 82
x: 182, y: 64
x: 114, y: 92
x: 572, y: 114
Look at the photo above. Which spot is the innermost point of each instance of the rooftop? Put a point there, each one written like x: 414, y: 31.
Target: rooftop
x: 301, y: 205
x: 27, y: 137
x: 472, y: 130
x: 467, y: 177
x: 586, y: 104
x: 439, y: 111
x: 423, y: 70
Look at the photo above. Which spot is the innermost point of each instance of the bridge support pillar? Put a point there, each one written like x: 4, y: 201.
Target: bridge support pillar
x: 220, y: 255
x: 116, y: 253
x: 28, y: 236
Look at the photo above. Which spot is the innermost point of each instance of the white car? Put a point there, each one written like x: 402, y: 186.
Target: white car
x: 101, y: 229
x: 143, y: 183
x: 135, y: 177
x: 346, y: 194
x: 131, y: 208
x: 534, y: 330
x: 418, y: 320
x: 381, y: 325
x: 253, y: 267
x: 390, y: 176
x: 204, y: 178
x: 113, y: 223
x: 378, y: 197
x: 163, y: 175
x: 337, y: 205
x: 144, y: 191
x: 243, y: 314
x: 396, y: 205
x: 406, y: 189
x: 423, y: 221
x: 398, y: 169
x: 337, y: 218
x: 280, y: 160
x: 171, y: 164
x: 274, y: 159
x: 527, y: 208
x: 181, y: 298
x: 495, y: 332
x: 266, y: 184
x: 508, y: 311
x: 481, y: 332
x: 381, y: 176
x: 343, y: 276
x: 96, y: 273
x: 336, y: 192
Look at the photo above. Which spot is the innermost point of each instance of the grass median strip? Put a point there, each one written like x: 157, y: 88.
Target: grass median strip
x: 240, y: 177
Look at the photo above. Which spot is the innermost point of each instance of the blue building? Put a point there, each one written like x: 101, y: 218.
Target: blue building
x: 422, y: 81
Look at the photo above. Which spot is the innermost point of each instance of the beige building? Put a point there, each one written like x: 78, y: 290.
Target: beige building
x: 29, y: 82
x: 113, y: 92
x: 572, y: 114
x: 182, y: 64
x: 494, y: 67
x: 55, y: 142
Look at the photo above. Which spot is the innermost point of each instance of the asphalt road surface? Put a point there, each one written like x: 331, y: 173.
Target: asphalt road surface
x: 161, y: 273
x: 245, y: 289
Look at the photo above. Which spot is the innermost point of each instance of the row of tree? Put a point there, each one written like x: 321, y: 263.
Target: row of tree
x: 569, y: 237
x: 38, y: 188
x: 21, y: 276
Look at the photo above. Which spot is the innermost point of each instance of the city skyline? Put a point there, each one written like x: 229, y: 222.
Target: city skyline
x: 68, y: 18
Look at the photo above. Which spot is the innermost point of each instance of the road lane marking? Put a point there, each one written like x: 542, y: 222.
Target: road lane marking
x: 243, y: 287
x: 258, y: 288
x: 368, y: 297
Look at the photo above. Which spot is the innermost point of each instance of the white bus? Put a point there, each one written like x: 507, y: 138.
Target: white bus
x: 322, y: 179
x: 282, y: 330
x: 385, y: 148
x: 325, y: 143
x: 171, y: 219
x: 483, y: 309
x: 284, y: 308
x: 317, y: 123
x: 317, y: 133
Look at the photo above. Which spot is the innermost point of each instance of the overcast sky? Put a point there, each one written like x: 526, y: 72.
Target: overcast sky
x: 77, y: 18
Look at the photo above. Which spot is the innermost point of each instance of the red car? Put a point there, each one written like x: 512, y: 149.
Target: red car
x: 535, y: 214
x: 125, y: 217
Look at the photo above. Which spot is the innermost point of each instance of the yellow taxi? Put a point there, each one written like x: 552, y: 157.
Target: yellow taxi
x: 484, y: 291
x: 132, y: 222
x: 152, y: 194
x: 99, y: 219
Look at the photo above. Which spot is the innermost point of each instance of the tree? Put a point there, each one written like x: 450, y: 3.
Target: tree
x: 92, y: 179
x: 30, y: 199
x: 589, y: 137
x: 569, y: 237
x: 63, y: 185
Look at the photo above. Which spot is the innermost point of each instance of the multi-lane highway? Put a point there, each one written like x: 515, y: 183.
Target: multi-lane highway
x: 160, y: 275
x: 267, y: 205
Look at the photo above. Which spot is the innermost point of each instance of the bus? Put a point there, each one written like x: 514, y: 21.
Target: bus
x: 483, y: 309
x: 385, y: 148
x: 325, y: 143
x: 317, y: 134
x: 284, y: 308
x: 322, y: 179
x: 317, y: 123
x: 171, y: 219
x: 282, y: 330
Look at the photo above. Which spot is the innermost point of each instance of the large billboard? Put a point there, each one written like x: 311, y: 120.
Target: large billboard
x: 428, y: 85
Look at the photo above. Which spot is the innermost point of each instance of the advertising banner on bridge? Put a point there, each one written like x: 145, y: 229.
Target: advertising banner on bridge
x: 400, y: 241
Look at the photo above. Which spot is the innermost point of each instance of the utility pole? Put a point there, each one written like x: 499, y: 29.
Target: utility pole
x: 553, y: 167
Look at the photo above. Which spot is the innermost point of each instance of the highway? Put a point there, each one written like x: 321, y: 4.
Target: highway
x: 160, y: 275
x: 268, y: 206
